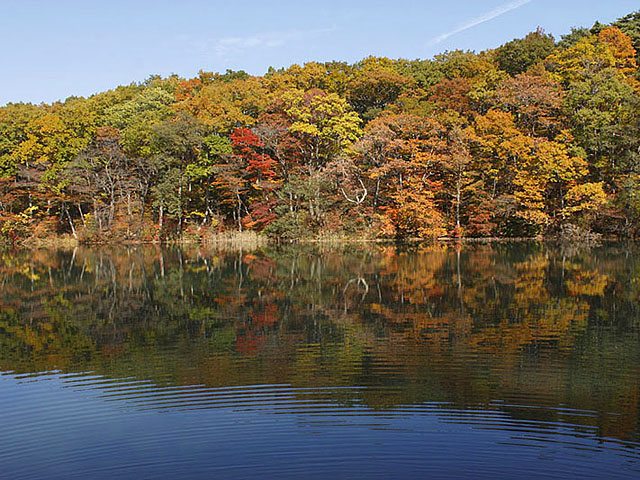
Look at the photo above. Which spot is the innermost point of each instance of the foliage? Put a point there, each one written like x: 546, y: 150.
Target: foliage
x: 520, y: 140
x: 518, y: 55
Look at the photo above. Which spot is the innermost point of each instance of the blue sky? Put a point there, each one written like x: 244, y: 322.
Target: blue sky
x: 50, y: 50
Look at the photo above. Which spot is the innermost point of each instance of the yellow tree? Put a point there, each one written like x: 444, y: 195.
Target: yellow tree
x: 332, y: 77
x: 223, y: 105
x: 609, y: 49
x: 536, y: 173
x: 323, y: 123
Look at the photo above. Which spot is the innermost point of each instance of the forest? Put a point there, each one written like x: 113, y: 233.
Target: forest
x: 538, y: 137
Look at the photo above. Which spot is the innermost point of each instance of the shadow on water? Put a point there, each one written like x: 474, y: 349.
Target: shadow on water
x: 532, y: 344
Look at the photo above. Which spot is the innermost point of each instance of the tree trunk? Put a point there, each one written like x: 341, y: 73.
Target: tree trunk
x: 458, y: 201
x: 73, y: 228
x: 84, y: 224
x: 180, y: 208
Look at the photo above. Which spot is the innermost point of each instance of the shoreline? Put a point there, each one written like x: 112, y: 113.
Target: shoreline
x: 256, y: 240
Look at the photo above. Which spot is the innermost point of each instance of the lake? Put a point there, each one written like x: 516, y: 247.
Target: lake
x: 507, y: 360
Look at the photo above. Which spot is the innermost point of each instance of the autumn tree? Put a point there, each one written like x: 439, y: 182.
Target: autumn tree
x: 102, y: 183
x: 322, y: 122
x: 375, y: 84
x: 535, y: 100
x: 332, y: 77
x: 223, y: 105
x: 523, y: 139
x: 630, y: 26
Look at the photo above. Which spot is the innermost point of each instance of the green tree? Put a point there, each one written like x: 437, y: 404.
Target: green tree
x: 518, y: 55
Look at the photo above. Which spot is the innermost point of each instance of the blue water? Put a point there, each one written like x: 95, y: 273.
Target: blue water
x: 144, y: 375
x: 61, y: 426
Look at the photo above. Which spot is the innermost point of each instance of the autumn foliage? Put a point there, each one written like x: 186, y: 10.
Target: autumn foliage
x: 523, y: 140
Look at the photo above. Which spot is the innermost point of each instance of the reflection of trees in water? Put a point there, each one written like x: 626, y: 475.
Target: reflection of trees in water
x: 470, y: 325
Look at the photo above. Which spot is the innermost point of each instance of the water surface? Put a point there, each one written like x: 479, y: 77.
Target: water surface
x: 378, y: 361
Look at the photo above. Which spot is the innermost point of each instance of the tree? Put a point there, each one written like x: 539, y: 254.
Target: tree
x: 14, y: 119
x: 136, y: 117
x: 332, y: 77
x: 533, y: 173
x: 414, y: 213
x: 621, y: 47
x: 630, y: 26
x: 592, y: 55
x: 535, y: 100
x: 460, y: 181
x: 102, y: 180
x: 570, y: 39
x: 401, y: 153
x: 322, y: 122
x: 603, y: 109
x: 177, y: 143
x: 274, y: 131
x: 247, y: 145
x: 452, y: 95
x: 375, y: 84
x: 518, y: 55
x: 225, y: 104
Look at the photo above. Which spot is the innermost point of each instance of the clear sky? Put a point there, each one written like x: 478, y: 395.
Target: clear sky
x: 50, y: 49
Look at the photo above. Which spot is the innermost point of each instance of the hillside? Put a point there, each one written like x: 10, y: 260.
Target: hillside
x: 535, y: 137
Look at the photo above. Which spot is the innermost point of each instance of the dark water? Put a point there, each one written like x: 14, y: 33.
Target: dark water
x: 504, y: 361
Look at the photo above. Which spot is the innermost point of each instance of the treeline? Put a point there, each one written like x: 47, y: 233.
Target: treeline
x: 535, y: 137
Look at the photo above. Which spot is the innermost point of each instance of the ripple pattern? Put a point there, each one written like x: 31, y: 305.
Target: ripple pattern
x: 87, y: 425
